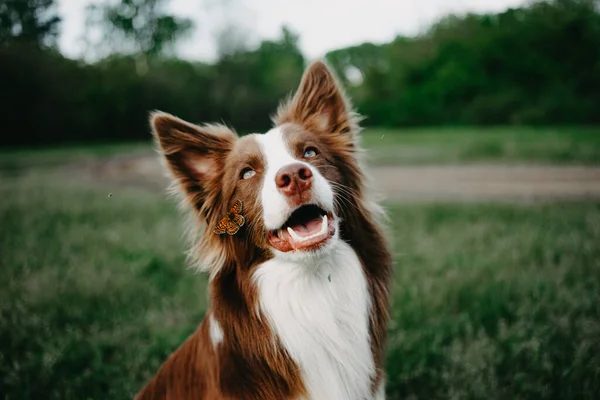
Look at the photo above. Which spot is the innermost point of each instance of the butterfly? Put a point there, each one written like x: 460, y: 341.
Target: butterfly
x: 233, y: 221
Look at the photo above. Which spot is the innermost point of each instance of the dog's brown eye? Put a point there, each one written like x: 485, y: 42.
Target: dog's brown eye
x: 247, y: 173
x: 310, y: 152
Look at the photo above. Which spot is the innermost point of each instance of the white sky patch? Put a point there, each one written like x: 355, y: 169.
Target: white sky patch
x: 354, y: 76
x: 323, y: 25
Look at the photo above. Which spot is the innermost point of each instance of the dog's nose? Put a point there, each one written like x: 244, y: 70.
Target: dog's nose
x: 293, y: 179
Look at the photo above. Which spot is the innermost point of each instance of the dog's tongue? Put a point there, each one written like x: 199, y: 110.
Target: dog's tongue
x: 311, y: 227
x: 306, y: 235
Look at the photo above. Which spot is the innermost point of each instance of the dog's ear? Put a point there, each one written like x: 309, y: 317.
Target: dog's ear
x: 319, y: 103
x: 194, y: 155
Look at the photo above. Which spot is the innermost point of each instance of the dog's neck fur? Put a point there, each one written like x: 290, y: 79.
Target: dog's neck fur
x: 320, y: 311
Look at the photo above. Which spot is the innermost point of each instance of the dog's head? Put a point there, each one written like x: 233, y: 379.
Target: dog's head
x: 292, y: 182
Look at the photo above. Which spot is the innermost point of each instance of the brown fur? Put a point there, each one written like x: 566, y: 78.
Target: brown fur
x: 206, y: 163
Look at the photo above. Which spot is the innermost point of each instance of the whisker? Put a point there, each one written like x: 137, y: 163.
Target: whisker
x: 346, y: 190
x: 347, y: 200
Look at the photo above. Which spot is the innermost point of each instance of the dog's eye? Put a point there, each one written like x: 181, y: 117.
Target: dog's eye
x: 310, y: 152
x: 247, y: 173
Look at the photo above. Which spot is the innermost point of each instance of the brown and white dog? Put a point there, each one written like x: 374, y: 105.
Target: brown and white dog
x: 299, y: 264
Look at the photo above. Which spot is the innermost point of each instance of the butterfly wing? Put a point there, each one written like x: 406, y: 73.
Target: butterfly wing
x: 221, y: 227
x: 238, y: 219
x: 232, y: 227
x: 237, y: 207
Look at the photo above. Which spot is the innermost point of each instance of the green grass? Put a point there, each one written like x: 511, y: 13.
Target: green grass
x: 490, y: 301
x: 496, y: 302
x: 23, y: 158
x: 564, y: 145
x: 556, y: 145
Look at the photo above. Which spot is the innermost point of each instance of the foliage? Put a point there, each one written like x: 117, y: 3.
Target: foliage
x: 538, y: 64
x: 141, y: 26
x: 33, y: 22
x: 57, y: 100
x: 530, y: 65
x: 248, y: 85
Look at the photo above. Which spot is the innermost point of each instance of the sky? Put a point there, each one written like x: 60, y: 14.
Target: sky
x: 322, y: 25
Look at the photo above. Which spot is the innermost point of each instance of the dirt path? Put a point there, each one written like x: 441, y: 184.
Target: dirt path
x: 452, y: 182
x: 488, y: 182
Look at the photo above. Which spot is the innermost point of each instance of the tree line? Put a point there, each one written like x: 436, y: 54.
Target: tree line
x: 537, y: 64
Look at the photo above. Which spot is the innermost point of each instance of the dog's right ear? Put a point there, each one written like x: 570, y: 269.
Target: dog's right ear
x: 194, y: 155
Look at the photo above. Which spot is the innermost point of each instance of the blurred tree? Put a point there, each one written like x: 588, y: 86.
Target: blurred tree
x: 249, y: 84
x: 33, y: 22
x: 140, y: 27
x: 536, y: 64
x: 231, y: 39
x: 529, y: 65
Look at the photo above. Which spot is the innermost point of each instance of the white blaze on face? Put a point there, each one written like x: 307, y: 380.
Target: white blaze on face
x: 278, y: 155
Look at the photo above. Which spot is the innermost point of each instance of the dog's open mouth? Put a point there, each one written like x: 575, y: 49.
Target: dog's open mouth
x: 307, y: 228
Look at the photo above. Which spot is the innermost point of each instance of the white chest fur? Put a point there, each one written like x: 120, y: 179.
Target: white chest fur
x: 320, y: 311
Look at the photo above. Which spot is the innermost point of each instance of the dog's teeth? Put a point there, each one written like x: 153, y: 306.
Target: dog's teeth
x: 294, y: 235
x: 298, y: 238
x: 324, y: 225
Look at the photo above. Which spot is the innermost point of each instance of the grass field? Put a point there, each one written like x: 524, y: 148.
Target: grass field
x: 491, y: 301
x: 564, y: 145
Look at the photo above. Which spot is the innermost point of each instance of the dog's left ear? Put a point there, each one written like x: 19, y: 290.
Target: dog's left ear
x: 195, y: 155
x: 319, y: 103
